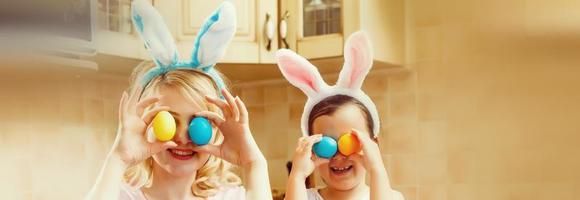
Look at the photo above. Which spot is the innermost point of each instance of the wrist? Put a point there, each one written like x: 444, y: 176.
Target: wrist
x: 374, y: 164
x: 297, y: 176
x: 258, y: 162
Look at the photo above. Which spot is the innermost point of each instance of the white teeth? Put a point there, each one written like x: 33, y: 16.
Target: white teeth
x: 182, y: 153
x: 340, y: 168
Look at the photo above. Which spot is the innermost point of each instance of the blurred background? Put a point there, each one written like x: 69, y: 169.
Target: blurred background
x: 478, y: 99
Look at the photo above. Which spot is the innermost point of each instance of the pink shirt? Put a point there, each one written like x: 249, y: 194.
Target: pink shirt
x: 225, y: 193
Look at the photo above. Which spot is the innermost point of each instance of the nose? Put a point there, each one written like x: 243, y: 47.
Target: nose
x: 181, y: 137
x: 339, y: 157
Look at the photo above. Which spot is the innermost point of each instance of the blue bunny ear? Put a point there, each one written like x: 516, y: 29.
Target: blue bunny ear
x: 155, y: 33
x: 214, y: 36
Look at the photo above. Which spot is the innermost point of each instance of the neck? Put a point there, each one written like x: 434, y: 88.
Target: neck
x: 357, y: 192
x: 168, y: 186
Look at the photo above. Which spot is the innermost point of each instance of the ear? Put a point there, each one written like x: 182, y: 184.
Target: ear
x: 214, y: 36
x: 154, y: 32
x: 358, y: 60
x: 299, y: 72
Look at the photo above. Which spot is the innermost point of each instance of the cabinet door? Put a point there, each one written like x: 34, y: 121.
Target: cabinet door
x: 116, y: 34
x: 191, y: 14
x: 317, y: 28
x: 267, y: 22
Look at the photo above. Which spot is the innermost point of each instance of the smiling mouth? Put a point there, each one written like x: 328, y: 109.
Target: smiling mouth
x: 181, y: 154
x: 341, y: 170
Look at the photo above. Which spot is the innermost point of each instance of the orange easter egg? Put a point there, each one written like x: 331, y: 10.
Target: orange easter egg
x: 348, y: 144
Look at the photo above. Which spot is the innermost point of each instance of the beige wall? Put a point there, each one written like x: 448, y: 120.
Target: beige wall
x: 497, y: 96
x: 55, y: 133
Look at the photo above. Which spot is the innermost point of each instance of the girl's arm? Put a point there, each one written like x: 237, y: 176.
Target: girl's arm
x: 296, y: 188
x: 380, y: 187
x: 256, y: 180
x: 302, y: 166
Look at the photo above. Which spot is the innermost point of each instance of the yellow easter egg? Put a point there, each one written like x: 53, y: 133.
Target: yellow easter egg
x: 164, y: 126
x: 348, y: 144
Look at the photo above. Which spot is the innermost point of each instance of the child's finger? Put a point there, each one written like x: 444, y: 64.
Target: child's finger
x: 221, y: 104
x: 232, y: 104
x: 244, y: 118
x: 136, y: 93
x: 214, y: 150
x: 362, y: 137
x: 149, y: 115
x: 305, y: 145
x: 299, y: 144
x: 310, y: 141
x: 212, y: 116
x: 243, y: 110
x: 145, y: 103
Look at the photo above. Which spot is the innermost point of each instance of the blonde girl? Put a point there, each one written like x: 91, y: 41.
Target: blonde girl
x: 139, y: 167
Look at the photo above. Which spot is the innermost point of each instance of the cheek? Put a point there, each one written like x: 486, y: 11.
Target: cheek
x: 323, y: 170
x: 359, y: 169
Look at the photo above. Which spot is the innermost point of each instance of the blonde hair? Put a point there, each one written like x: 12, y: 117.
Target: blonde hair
x: 193, y: 85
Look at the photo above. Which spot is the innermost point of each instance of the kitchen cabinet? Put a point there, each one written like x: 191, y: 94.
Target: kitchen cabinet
x: 319, y: 28
x: 184, y: 18
x: 316, y: 29
x: 250, y: 44
x: 116, y: 34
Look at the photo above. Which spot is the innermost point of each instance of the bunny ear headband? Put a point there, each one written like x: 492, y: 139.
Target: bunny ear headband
x: 358, y: 60
x: 209, y: 46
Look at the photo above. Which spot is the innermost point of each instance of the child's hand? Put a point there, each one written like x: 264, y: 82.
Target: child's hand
x: 131, y: 142
x: 239, y: 146
x: 370, y: 156
x: 304, y: 161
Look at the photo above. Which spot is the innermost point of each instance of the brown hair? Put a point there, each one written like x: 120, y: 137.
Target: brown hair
x: 329, y: 105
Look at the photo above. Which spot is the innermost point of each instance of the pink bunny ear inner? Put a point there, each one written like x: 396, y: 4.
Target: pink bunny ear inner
x: 358, y: 61
x: 299, y: 71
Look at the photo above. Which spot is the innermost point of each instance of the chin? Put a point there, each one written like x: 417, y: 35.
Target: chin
x: 180, y: 163
x: 342, y: 177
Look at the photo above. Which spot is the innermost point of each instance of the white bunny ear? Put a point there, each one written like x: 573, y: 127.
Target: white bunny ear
x: 154, y: 32
x: 358, y: 60
x: 300, y: 72
x: 214, y: 36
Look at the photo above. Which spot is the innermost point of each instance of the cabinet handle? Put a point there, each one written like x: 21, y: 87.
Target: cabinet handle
x: 269, y: 31
x: 284, y: 30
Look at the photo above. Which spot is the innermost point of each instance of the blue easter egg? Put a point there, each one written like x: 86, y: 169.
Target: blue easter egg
x: 200, y: 131
x: 326, y: 148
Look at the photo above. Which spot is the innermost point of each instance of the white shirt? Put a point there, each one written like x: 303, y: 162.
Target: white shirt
x: 313, y: 194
